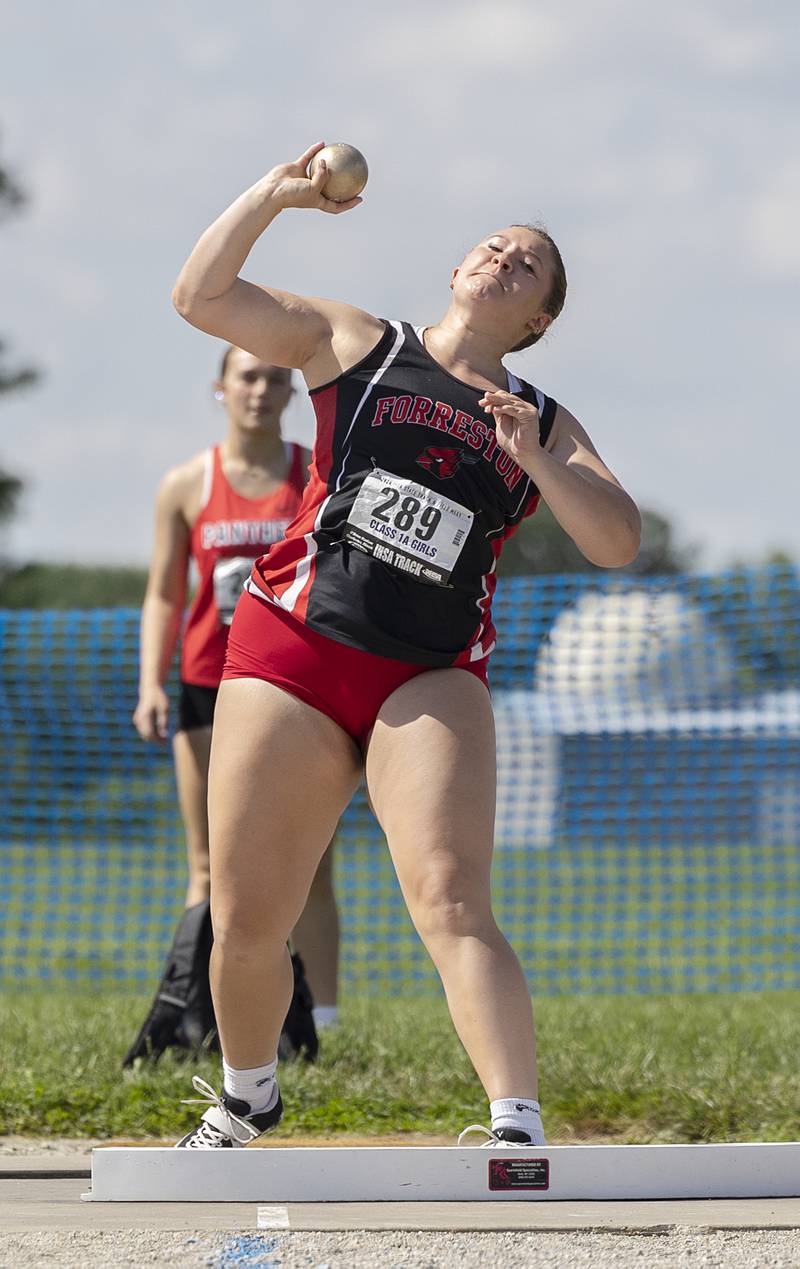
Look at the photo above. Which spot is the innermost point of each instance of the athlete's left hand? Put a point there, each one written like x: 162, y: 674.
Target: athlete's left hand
x: 516, y: 424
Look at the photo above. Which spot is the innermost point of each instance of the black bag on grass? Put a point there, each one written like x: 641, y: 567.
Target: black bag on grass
x: 182, y: 1014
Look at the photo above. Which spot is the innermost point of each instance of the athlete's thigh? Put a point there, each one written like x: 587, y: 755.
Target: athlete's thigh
x: 281, y: 773
x: 431, y: 773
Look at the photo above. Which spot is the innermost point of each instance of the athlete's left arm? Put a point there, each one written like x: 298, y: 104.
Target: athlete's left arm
x: 583, y: 494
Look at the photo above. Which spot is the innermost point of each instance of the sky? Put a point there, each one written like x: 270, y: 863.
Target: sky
x: 658, y: 142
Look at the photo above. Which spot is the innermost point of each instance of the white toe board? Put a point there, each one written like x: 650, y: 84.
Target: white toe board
x: 390, y: 1173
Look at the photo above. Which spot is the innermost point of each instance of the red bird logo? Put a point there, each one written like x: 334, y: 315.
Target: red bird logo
x: 443, y: 462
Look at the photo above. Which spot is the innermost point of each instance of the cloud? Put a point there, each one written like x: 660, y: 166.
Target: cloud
x: 735, y: 50
x: 201, y: 45
x: 774, y: 239
x: 463, y: 44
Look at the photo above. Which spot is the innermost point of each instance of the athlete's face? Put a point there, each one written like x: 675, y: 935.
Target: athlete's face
x: 504, y: 282
x: 255, y: 393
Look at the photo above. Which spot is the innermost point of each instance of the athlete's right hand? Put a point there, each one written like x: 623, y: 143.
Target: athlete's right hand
x: 151, y: 716
x: 289, y: 185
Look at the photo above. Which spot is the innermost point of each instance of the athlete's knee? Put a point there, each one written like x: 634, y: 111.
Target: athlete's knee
x: 444, y: 903
x: 243, y: 925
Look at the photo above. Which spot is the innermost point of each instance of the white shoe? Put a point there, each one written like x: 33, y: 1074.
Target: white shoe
x: 502, y: 1137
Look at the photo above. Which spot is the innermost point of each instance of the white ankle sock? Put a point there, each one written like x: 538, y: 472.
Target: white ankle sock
x: 519, y: 1112
x: 257, y: 1085
x: 325, y: 1015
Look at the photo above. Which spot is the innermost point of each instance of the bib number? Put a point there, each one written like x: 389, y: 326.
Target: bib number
x: 408, y: 526
x: 229, y: 578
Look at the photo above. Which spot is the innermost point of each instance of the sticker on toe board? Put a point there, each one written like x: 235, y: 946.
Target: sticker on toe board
x: 519, y: 1174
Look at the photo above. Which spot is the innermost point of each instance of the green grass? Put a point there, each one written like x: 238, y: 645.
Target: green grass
x: 694, y: 1068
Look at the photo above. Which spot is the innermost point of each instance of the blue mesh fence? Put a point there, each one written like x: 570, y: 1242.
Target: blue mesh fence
x: 648, y: 796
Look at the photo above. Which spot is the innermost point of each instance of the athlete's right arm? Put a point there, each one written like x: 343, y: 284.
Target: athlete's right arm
x: 319, y: 337
x: 162, y: 610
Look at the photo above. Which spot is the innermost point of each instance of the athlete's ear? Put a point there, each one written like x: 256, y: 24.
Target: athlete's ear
x: 453, y: 277
x: 539, y: 324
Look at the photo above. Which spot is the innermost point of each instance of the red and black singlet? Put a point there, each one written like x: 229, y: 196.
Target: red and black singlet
x: 409, y: 502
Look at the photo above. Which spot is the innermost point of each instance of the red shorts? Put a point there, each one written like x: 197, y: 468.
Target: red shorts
x: 348, y: 685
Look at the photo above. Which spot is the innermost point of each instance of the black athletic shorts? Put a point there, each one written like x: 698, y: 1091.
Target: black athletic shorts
x: 196, y: 706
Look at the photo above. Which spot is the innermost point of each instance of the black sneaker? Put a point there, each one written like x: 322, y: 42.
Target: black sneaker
x: 228, y: 1123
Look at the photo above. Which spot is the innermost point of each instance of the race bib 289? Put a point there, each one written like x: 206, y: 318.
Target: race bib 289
x: 408, y: 526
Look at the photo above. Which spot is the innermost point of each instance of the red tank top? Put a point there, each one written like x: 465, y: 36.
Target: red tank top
x: 228, y: 534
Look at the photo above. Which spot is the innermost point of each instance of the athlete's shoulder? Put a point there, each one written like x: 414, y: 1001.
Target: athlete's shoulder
x: 372, y: 347
x: 181, y: 488
x: 569, y: 430
x: 353, y: 334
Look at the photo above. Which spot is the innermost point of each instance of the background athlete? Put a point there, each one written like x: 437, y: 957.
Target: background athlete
x: 363, y: 640
x: 219, y: 511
